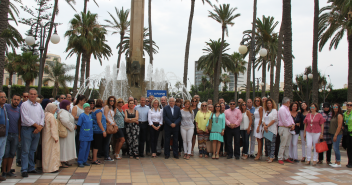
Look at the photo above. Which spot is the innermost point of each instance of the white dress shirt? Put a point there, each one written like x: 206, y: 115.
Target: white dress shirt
x: 155, y: 116
x: 31, y: 113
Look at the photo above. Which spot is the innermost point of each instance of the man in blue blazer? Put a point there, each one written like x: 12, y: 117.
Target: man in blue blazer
x: 172, y: 119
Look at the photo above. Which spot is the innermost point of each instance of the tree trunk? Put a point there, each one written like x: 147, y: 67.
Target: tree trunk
x: 349, y: 91
x: 276, y: 91
x: 4, y: 9
x: 49, y: 34
x: 83, y: 68
x: 26, y: 88
x: 288, y: 49
x: 236, y: 87
x: 87, y: 73
x: 188, y: 42
x: 264, y: 77
x: 218, y: 69
x: 120, y: 48
x: 315, y: 88
x: 10, y: 83
x: 272, y: 64
x: 85, y: 6
x: 55, y: 89
x: 249, y: 68
x: 150, y: 33
x: 75, y: 83
x: 251, y: 54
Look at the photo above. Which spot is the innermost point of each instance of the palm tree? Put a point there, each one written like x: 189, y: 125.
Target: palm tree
x: 287, y: 22
x: 126, y: 44
x: 27, y: 67
x: 4, y: 9
x: 10, y: 66
x: 73, y: 47
x: 225, y: 79
x: 225, y: 16
x: 53, y: 16
x: 208, y: 62
x: 204, y: 82
x: 120, y: 25
x: 265, y: 38
x: 57, y: 73
x: 315, y: 88
x: 334, y: 23
x: 12, y: 37
x: 240, y: 67
x: 188, y: 42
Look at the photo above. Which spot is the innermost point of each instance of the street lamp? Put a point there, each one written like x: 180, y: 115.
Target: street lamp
x: 30, y: 40
x: 307, y: 78
x: 243, y: 50
x: 9, y: 93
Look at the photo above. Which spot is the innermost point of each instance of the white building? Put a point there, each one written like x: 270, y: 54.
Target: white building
x: 241, y: 81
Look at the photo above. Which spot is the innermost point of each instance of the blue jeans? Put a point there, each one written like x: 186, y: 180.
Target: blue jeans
x: 106, y: 143
x: 11, y: 145
x: 245, y: 139
x: 84, y: 148
x: 18, y: 152
x: 2, y: 147
x: 336, y: 146
x: 29, y: 142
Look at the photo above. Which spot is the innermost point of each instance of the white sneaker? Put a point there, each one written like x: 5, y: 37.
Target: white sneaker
x: 335, y: 165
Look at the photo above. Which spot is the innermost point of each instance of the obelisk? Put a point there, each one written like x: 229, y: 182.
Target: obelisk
x: 136, y: 63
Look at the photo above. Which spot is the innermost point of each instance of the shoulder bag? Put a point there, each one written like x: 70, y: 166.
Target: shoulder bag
x: 210, y: 123
x: 62, y: 129
x: 3, y: 126
x: 111, y: 129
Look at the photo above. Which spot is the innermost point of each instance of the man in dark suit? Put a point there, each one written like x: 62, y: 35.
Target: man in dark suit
x: 172, y: 119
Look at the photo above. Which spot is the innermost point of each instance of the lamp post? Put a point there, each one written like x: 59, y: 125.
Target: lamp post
x: 9, y: 93
x: 243, y: 50
x: 30, y: 40
x: 307, y: 77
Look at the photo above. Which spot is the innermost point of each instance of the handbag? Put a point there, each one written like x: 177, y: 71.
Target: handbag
x: 62, y: 129
x: 210, y: 123
x: 209, y: 147
x: 3, y: 126
x: 111, y: 129
x: 321, y: 147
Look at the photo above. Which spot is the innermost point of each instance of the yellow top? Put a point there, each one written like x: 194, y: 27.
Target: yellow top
x: 202, y: 119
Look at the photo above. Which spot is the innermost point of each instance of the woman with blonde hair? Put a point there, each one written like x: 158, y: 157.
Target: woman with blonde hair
x: 155, y: 120
x: 201, y: 120
x: 50, y: 141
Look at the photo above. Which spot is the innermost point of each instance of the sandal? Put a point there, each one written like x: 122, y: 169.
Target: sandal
x: 303, y: 159
x: 314, y: 163
x: 67, y: 164
x: 206, y: 156
x: 307, y: 162
x: 200, y: 155
x: 217, y: 156
x: 213, y: 157
x: 117, y: 156
x: 319, y: 162
x: 192, y: 153
x: 131, y: 156
x: 270, y: 160
x: 63, y: 165
x: 97, y: 162
x: 188, y: 156
x: 185, y: 156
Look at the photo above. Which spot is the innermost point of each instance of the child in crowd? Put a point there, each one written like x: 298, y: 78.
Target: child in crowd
x: 85, y: 122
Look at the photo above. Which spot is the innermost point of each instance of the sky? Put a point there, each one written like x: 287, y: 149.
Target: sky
x: 170, y: 25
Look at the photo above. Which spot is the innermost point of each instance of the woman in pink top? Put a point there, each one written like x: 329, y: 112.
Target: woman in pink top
x: 313, y: 131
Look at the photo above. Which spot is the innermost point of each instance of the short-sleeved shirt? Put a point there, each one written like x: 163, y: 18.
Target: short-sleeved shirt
x: 120, y: 119
x: 3, y: 119
x: 13, y: 114
x: 86, y: 131
x: 314, y: 123
x: 142, y: 112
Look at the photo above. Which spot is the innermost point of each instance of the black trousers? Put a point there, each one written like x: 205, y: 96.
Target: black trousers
x: 328, y: 154
x: 180, y: 142
x: 235, y: 134
x: 349, y: 149
x: 223, y: 146
x: 168, y: 131
x: 143, y: 137
x: 154, y: 134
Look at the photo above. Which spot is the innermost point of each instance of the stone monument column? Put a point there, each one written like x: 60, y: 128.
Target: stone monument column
x: 136, y: 63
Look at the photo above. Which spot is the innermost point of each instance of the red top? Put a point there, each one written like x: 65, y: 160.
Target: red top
x: 314, y: 127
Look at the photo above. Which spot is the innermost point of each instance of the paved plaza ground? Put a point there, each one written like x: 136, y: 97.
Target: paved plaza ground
x: 194, y: 171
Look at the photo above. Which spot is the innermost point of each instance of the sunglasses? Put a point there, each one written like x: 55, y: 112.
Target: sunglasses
x: 312, y: 107
x: 335, y: 107
x: 349, y: 105
x: 232, y: 103
x: 111, y: 100
x: 25, y: 96
x: 204, y: 105
x: 243, y: 105
x: 217, y: 106
x: 194, y: 101
x: 120, y: 102
x: 91, y: 103
x: 257, y: 100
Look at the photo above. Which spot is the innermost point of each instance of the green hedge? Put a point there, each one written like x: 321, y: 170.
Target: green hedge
x: 46, y: 91
x: 335, y: 96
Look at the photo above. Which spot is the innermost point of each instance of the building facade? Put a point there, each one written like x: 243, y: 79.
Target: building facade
x: 17, y: 80
x: 198, y: 74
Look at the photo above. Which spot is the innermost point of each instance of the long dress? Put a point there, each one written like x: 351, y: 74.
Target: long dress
x: 218, y: 125
x: 132, y: 130
x: 256, y: 123
x: 50, y: 149
x: 67, y: 145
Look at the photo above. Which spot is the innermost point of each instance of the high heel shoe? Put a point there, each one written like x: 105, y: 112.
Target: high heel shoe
x: 258, y: 157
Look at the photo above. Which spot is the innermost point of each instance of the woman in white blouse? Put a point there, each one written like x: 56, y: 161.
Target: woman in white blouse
x: 155, y: 120
x: 270, y: 122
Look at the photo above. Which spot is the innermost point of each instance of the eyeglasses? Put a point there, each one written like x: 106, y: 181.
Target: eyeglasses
x: 335, y: 107
x: 120, y: 102
x: 217, y: 106
x: 312, y: 107
x: 3, y: 97
x: 25, y: 96
x: 232, y: 103
x: 349, y: 105
x: 111, y: 100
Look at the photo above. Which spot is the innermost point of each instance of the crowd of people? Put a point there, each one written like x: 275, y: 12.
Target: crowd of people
x: 51, y: 133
